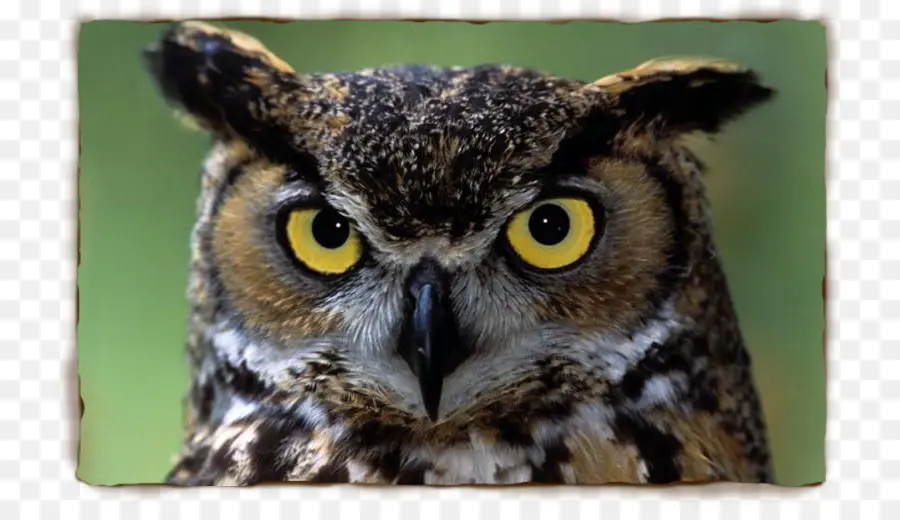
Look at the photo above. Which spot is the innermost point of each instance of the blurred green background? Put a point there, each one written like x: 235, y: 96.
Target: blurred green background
x: 139, y: 176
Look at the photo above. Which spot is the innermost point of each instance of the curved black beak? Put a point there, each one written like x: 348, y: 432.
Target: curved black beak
x: 430, y: 342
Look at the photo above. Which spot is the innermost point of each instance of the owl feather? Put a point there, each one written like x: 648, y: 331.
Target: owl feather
x: 457, y: 275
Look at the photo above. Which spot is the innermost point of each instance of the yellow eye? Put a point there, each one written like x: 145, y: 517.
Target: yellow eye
x: 554, y: 233
x: 323, y: 240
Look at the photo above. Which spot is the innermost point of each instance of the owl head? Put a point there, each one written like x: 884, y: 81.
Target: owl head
x: 439, y: 231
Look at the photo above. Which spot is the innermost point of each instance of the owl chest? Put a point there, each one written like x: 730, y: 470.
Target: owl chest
x: 454, y: 465
x: 578, y: 459
x: 266, y: 448
x: 655, y: 449
x: 584, y: 454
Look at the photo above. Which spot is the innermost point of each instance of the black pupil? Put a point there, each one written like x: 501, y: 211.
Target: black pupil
x: 330, y: 229
x: 549, y: 224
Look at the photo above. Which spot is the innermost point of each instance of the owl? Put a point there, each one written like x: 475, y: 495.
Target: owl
x: 457, y: 275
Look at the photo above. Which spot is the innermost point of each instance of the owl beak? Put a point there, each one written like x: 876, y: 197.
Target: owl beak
x: 430, y: 345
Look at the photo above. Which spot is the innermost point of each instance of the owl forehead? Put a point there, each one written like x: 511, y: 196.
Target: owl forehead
x: 429, y: 150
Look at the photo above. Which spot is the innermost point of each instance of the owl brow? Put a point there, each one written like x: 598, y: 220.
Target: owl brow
x: 297, y: 194
x: 302, y: 182
x: 591, y: 137
x: 303, y: 167
x: 535, y: 185
x: 301, y: 173
x: 579, y: 182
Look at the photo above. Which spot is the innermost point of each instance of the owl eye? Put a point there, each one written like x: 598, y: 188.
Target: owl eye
x: 553, y: 233
x: 323, y: 240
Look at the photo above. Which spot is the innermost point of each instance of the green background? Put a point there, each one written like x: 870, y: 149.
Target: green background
x: 139, y: 176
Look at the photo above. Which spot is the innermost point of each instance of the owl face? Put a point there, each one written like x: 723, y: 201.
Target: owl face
x: 440, y: 228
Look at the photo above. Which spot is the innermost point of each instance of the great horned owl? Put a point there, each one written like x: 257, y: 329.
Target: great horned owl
x: 452, y: 275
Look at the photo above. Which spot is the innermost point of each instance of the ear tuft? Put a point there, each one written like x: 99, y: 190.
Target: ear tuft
x: 227, y: 83
x: 673, y: 96
x: 208, y: 72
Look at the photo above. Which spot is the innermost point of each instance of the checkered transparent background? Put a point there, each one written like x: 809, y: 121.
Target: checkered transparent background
x: 38, y: 396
